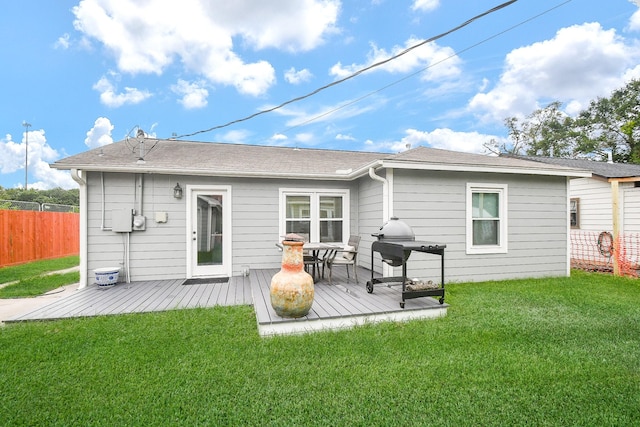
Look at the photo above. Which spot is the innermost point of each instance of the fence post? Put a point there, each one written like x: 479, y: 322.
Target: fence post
x: 615, y: 197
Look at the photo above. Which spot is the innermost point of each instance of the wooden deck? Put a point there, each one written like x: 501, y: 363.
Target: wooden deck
x: 142, y: 297
x: 343, y: 304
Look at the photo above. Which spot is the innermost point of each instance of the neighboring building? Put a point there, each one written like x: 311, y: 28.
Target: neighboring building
x: 602, y: 207
x: 500, y: 218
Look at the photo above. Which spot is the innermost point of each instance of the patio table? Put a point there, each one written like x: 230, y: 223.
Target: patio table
x: 314, y: 248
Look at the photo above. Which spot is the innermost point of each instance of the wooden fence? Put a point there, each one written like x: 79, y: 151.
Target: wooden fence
x: 29, y: 236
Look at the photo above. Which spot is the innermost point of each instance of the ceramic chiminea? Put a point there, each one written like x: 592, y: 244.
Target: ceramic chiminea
x: 292, y: 287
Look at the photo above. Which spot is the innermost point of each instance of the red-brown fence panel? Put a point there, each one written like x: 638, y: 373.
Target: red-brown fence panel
x: 29, y: 236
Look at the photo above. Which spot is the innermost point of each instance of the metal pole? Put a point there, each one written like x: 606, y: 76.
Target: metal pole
x: 26, y: 154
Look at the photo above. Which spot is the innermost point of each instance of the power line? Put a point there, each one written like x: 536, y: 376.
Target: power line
x: 351, y: 76
x: 458, y: 53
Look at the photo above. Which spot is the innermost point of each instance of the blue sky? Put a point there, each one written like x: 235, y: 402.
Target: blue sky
x: 88, y: 73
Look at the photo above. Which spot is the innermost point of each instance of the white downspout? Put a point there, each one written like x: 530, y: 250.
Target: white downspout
x: 82, y: 182
x: 385, y: 193
x: 386, y: 208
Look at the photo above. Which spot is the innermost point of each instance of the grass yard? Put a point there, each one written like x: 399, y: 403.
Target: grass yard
x: 532, y: 352
x: 36, y: 268
x: 31, y: 280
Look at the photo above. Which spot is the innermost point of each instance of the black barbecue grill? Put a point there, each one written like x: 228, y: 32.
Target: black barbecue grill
x: 395, y: 243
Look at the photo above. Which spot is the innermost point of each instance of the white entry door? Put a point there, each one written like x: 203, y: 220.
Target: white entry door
x: 209, y: 231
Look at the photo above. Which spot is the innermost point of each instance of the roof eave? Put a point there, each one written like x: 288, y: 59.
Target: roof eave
x: 202, y: 172
x: 453, y: 167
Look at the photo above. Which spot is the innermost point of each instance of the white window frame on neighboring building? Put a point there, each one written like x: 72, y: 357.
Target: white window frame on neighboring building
x: 314, y: 215
x: 574, y: 212
x: 483, y: 188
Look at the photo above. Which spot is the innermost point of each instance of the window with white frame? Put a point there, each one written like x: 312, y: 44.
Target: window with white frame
x: 317, y: 215
x: 574, y: 212
x: 486, y: 218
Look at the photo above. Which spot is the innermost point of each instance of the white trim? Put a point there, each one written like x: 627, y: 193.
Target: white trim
x: 315, y: 194
x: 502, y: 191
x: 390, y: 191
x: 227, y: 228
x: 80, y: 177
x: 485, y: 168
x: 347, y: 322
x: 568, y: 183
x: 390, y: 164
x: 387, y: 270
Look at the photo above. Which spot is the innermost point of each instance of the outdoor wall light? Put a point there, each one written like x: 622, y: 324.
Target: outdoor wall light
x: 177, y: 191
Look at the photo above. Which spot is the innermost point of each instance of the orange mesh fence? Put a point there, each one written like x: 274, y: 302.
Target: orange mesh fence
x: 595, y: 251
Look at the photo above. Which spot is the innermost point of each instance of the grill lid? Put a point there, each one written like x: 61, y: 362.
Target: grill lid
x: 394, y: 229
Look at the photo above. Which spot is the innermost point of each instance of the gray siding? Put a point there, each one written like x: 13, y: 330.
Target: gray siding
x: 370, y: 211
x: 160, y: 251
x: 433, y: 203
x: 156, y: 253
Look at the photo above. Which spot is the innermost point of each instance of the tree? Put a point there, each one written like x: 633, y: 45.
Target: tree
x: 612, y: 125
x: 545, y: 132
x: 56, y: 196
x: 608, y: 125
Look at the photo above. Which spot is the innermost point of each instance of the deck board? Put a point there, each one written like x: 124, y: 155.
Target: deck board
x: 342, y: 304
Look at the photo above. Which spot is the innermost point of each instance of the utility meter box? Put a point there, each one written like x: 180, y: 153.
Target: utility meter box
x: 139, y: 223
x: 122, y: 220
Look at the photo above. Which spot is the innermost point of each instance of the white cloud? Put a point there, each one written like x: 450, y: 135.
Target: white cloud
x: 634, y: 21
x: 11, y: 155
x: 447, y: 139
x: 48, y: 178
x: 341, y: 137
x: 296, y: 77
x: 304, y: 137
x: 12, y: 159
x: 200, y: 34
x: 235, y: 136
x: 579, y: 64
x: 194, y: 95
x: 439, y: 62
x: 278, y: 140
x: 344, y: 110
x: 100, y: 134
x: 62, y: 42
x: 425, y: 5
x: 110, y: 98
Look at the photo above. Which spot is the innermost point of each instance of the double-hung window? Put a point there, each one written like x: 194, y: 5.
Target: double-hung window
x: 486, y: 218
x: 316, y: 215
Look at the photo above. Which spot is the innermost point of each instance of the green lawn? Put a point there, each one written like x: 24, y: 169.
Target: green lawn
x: 533, y: 352
x: 31, y: 281
x: 31, y: 269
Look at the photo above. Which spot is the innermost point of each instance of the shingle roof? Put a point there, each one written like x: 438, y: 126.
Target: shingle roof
x: 207, y: 158
x: 438, y: 156
x: 602, y: 169
x: 186, y: 157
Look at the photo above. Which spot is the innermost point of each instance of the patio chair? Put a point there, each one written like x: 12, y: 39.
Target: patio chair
x: 309, y: 260
x: 346, y: 256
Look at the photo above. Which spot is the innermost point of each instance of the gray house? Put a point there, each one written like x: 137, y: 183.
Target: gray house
x: 166, y: 209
